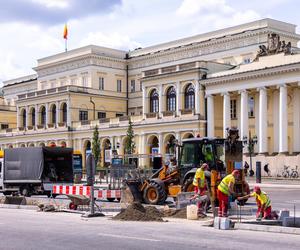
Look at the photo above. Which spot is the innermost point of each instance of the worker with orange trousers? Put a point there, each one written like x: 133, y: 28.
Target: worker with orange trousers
x: 264, y: 208
x: 225, y: 189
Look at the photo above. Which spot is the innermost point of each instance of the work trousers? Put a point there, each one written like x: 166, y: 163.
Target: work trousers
x: 266, y: 212
x: 223, y: 204
x: 200, y: 191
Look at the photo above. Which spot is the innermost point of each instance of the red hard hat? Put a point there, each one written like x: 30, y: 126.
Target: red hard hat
x: 256, y: 189
x: 235, y: 172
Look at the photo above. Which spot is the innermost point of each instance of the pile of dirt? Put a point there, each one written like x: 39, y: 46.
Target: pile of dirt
x: 180, y: 213
x: 137, y: 212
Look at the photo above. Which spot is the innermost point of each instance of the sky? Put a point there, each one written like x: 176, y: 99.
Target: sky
x: 33, y: 29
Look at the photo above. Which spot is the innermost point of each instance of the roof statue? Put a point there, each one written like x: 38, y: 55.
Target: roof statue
x: 275, y: 46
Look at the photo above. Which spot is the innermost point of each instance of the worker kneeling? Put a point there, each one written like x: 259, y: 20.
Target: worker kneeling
x: 264, y: 208
x: 225, y: 189
x: 200, y: 190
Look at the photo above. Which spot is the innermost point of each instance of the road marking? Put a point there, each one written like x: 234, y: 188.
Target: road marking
x: 127, y: 237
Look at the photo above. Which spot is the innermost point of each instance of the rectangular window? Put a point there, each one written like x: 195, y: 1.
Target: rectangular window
x: 53, y: 85
x: 4, y: 126
x: 132, y: 113
x: 247, y: 60
x: 84, y: 81
x: 73, y: 81
x: 233, y: 109
x: 119, y: 85
x: 101, y: 83
x: 141, y: 86
x: 132, y: 86
x: 101, y: 115
x: 119, y: 115
x: 251, y: 106
x: 83, y: 115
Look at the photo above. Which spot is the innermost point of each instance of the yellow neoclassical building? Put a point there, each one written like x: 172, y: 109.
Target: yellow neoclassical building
x: 245, y: 76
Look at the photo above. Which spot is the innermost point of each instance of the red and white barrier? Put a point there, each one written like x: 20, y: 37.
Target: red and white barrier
x: 86, y: 190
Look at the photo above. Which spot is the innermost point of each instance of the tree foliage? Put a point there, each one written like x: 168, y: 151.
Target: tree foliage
x: 130, y: 145
x: 96, y: 145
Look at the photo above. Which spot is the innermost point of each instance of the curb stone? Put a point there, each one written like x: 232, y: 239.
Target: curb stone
x: 10, y: 206
x: 270, y: 229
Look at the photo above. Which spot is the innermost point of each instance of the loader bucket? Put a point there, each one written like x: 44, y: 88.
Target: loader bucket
x: 133, y: 190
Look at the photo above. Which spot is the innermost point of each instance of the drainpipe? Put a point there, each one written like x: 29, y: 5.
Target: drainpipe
x: 94, y: 108
x: 127, y: 88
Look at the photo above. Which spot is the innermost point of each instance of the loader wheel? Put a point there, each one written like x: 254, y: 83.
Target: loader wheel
x: 155, y: 194
x: 188, y: 185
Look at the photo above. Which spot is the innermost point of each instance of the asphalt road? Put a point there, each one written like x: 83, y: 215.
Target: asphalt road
x: 26, y: 229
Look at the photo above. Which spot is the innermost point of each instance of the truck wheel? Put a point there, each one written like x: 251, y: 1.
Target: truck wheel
x: 25, y: 191
x: 188, y: 185
x: 154, y: 194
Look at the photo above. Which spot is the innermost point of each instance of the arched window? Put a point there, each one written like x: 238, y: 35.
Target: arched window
x: 189, y: 97
x: 24, y: 118
x: 33, y: 117
x: 64, y: 112
x: 43, y: 116
x: 171, y: 99
x: 53, y: 111
x: 154, y: 101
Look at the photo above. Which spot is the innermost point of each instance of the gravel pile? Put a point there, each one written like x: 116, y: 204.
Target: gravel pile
x: 137, y: 212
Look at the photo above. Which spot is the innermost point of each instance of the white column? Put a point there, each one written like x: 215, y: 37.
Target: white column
x: 27, y: 116
x: 197, y: 99
x: 160, y: 143
x: 47, y: 114
x: 69, y: 112
x: 283, y: 119
x: 244, y: 114
x: 178, y: 99
x: 275, y: 121
x: 144, y: 100
x: 57, y: 113
x: 161, y: 100
x: 210, y: 116
x: 226, y: 113
x: 18, y: 117
x: 263, y: 119
x: 36, y: 114
x: 296, y: 120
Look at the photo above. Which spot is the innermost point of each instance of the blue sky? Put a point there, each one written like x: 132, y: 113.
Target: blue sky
x: 32, y: 29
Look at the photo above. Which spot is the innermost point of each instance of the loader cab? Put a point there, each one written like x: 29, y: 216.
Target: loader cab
x: 196, y: 151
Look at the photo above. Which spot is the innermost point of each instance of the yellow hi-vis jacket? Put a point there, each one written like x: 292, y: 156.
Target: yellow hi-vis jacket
x: 201, y: 176
x: 224, y: 185
x: 263, y: 198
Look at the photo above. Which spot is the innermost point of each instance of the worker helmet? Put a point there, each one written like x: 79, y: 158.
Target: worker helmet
x: 256, y: 189
x: 205, y: 166
x: 235, y: 172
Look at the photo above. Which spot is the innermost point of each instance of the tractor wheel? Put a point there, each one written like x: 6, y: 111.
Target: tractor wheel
x: 155, y: 194
x: 188, y: 185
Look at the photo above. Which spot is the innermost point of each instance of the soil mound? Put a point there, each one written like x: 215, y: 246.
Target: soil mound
x: 137, y: 212
x: 181, y: 213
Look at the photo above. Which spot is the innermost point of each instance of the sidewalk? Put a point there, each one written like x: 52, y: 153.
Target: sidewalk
x: 273, y: 182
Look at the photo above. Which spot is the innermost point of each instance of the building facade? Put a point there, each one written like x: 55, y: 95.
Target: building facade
x: 244, y: 76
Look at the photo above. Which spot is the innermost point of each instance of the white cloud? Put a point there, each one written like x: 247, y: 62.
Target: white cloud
x: 113, y: 40
x: 53, y: 3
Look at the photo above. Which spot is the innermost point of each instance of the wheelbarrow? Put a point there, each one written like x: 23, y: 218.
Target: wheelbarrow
x: 78, y: 200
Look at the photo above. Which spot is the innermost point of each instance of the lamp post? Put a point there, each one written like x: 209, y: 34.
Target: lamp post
x: 250, y: 142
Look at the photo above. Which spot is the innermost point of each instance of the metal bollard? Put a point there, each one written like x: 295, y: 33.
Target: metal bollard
x: 258, y: 172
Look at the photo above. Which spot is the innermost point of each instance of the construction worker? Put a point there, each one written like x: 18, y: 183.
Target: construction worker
x: 264, y: 208
x: 199, y: 184
x: 225, y: 189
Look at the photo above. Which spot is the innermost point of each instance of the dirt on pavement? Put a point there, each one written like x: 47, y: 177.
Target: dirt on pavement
x: 137, y: 212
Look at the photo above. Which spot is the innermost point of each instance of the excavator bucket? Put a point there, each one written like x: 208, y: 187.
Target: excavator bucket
x: 132, y: 192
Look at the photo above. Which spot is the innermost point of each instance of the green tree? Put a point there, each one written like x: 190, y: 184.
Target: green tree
x: 130, y: 145
x: 96, y: 145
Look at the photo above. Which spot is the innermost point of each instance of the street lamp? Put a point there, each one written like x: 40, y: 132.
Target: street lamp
x: 250, y: 142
